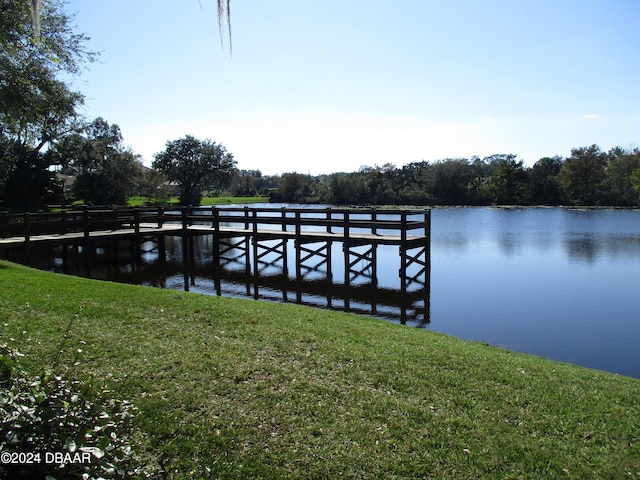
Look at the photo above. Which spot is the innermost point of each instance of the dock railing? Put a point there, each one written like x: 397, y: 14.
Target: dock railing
x: 343, y: 222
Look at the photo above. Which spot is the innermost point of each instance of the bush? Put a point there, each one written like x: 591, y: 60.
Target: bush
x: 54, y: 428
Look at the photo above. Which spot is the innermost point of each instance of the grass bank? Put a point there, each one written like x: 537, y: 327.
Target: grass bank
x: 234, y: 388
x: 142, y: 201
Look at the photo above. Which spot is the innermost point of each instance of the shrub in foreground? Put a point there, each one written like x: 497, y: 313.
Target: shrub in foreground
x: 54, y: 428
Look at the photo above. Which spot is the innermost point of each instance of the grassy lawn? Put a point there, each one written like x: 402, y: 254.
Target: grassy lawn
x: 142, y: 201
x: 233, y: 200
x: 234, y: 388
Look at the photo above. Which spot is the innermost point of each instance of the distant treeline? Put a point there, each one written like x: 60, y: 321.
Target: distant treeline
x: 588, y: 177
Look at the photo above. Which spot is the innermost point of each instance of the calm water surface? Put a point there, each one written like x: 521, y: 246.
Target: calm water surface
x: 560, y: 283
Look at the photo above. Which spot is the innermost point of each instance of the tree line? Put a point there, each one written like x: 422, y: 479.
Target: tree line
x: 590, y: 176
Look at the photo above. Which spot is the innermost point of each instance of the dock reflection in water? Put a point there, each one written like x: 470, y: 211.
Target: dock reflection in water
x: 160, y: 263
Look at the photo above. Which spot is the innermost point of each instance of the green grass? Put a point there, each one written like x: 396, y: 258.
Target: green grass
x: 233, y: 200
x: 142, y: 201
x: 234, y: 388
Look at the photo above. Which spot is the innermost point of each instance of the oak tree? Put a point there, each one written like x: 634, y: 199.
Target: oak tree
x: 38, y: 51
x: 195, y: 165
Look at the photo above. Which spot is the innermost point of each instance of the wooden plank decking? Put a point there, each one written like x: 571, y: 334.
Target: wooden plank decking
x: 177, y: 229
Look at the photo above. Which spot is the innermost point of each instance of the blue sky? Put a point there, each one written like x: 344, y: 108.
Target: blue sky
x: 320, y: 86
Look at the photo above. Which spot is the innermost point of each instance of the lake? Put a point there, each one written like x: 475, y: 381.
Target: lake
x: 557, y: 282
x: 561, y: 283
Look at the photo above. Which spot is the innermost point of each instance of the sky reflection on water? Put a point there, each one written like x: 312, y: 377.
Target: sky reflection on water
x: 555, y: 282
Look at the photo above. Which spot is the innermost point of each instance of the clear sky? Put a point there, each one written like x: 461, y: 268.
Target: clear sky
x: 321, y: 86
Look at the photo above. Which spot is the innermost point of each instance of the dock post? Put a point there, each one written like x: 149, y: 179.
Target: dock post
x: 185, y: 247
x: 427, y: 235
x: 160, y: 217
x: 298, y: 246
x: 63, y: 221
x: 256, y: 264
x: 347, y: 259
x: 329, y: 269
x: 283, y: 216
x: 403, y: 267
x: 247, y: 265
x: 347, y: 273
x: 85, y: 222
x: 215, y: 223
x: 27, y: 235
x: 285, y: 263
x: 137, y: 237
x: 86, y: 244
x: 427, y: 273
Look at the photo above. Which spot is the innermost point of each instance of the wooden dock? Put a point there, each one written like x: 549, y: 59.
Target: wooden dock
x: 260, y: 238
x: 358, y: 225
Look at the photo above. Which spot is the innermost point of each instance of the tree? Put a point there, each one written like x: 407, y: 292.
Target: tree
x: 341, y: 189
x: 582, y: 175
x: 635, y: 179
x: 380, y: 184
x: 294, y: 188
x: 196, y: 165
x: 246, y: 183
x: 153, y: 184
x: 34, y: 100
x: 449, y: 181
x: 37, y: 46
x: 619, y: 179
x: 107, y: 171
x: 508, y: 182
x: 28, y: 182
x: 413, y: 181
x: 544, y: 184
